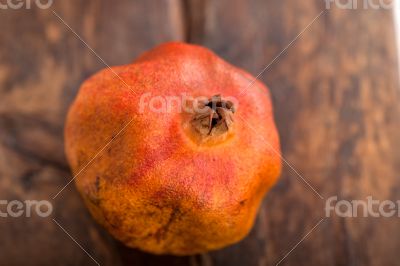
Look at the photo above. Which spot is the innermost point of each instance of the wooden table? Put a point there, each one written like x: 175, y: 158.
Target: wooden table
x: 336, y: 93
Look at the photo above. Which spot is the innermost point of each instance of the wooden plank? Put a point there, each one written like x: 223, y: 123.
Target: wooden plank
x: 336, y: 96
x: 42, y: 65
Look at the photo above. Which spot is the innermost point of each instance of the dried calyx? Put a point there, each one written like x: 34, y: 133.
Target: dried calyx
x: 213, y: 117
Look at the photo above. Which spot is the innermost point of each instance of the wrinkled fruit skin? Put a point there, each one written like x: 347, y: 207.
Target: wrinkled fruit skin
x: 154, y: 185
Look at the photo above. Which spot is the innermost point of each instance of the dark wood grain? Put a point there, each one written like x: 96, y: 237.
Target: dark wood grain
x: 336, y: 97
x: 42, y: 66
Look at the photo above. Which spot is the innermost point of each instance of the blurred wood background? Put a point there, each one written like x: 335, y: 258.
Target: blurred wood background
x: 336, y: 97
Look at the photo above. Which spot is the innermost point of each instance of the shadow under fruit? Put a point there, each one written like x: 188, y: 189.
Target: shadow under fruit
x: 172, y: 180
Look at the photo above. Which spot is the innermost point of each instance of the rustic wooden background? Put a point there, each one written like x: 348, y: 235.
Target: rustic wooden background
x: 336, y: 95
